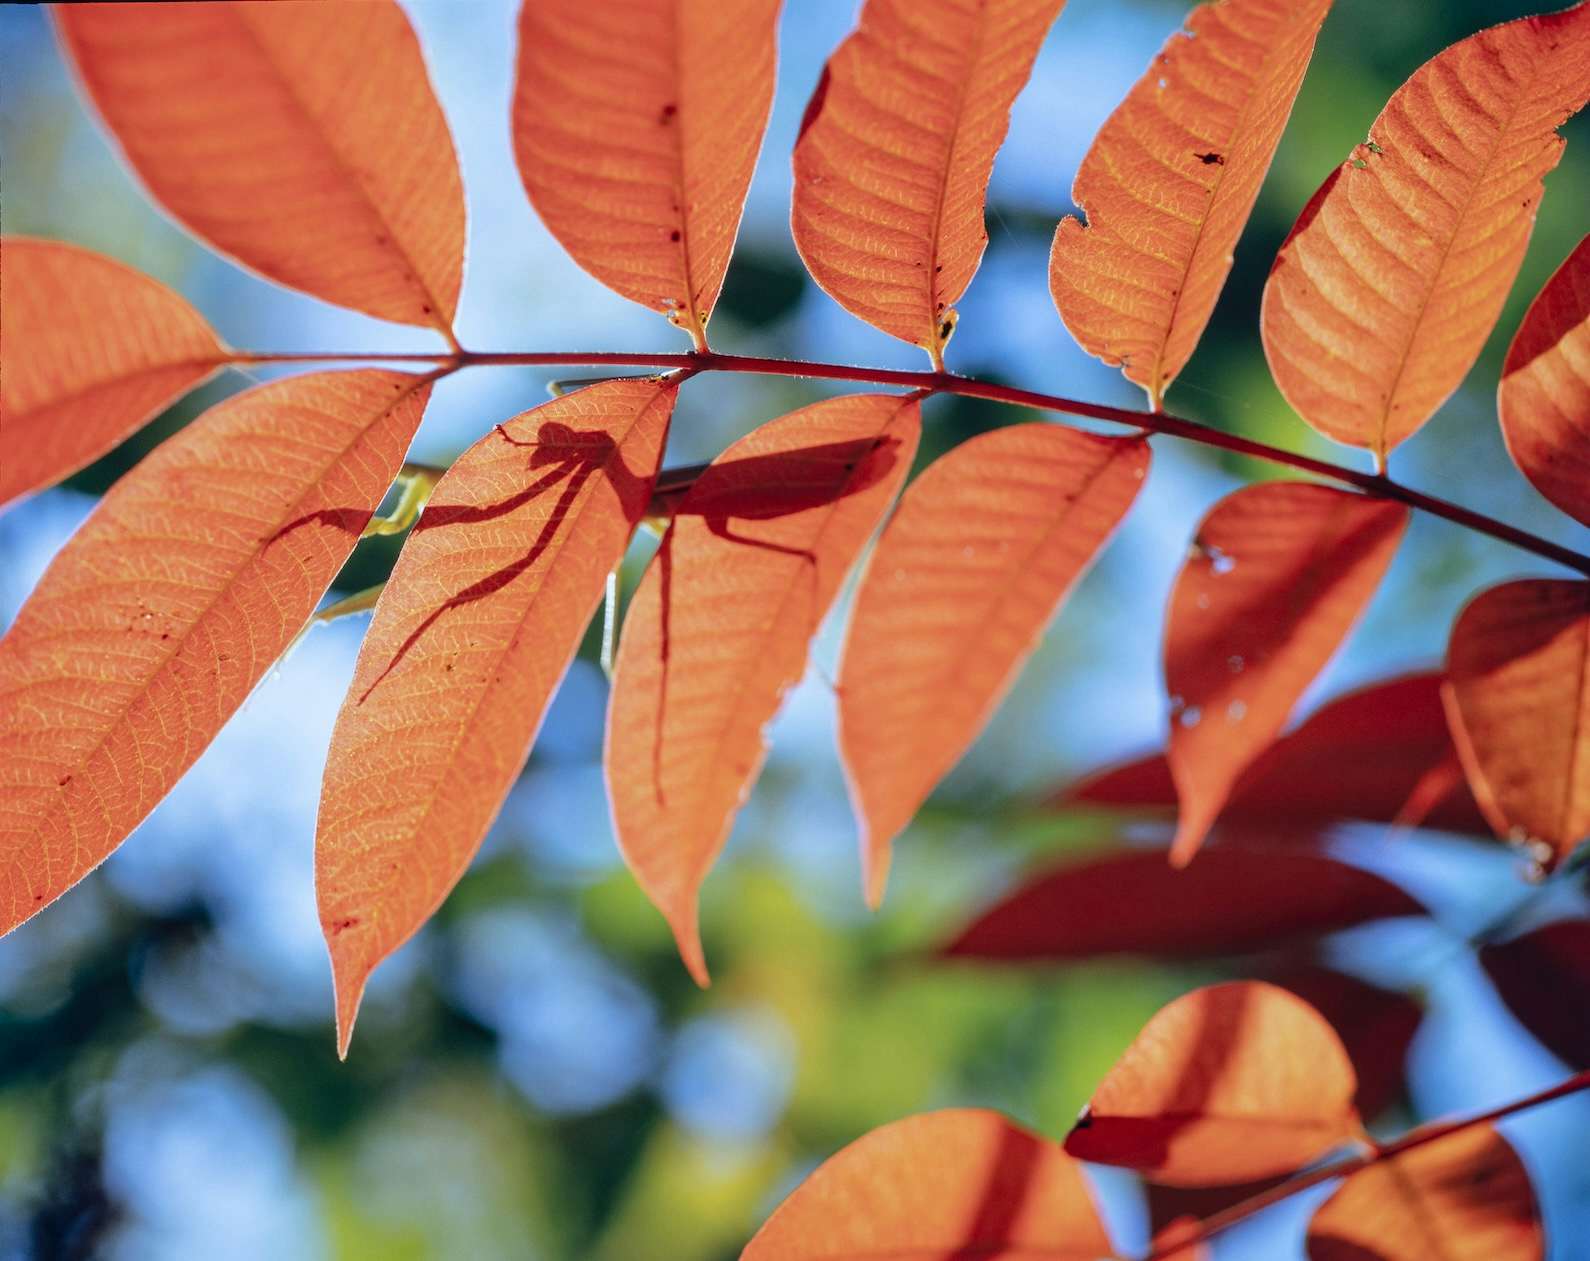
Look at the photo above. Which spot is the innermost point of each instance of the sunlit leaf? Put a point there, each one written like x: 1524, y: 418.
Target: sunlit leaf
x: 302, y: 140
x: 157, y: 618
x: 984, y: 547
x: 1380, y: 746
x: 719, y: 627
x: 1376, y: 1027
x: 636, y: 124
x: 92, y: 350
x: 1229, y: 900
x: 1227, y: 1084
x: 959, y: 1183
x: 1544, y: 400
x: 1183, y: 1231
x: 1277, y: 574
x: 1464, y: 1197
x: 1170, y: 181
x: 894, y: 155
x: 1396, y: 270
x: 1518, y: 667
x: 1544, y: 978
x: 483, y: 613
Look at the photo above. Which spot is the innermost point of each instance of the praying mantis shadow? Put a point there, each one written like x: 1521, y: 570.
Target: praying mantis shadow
x: 751, y: 489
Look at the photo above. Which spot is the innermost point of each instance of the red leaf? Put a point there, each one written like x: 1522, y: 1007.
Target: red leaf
x: 1464, y: 1197
x: 894, y: 155
x: 719, y: 627
x: 1169, y: 183
x: 985, y: 545
x: 1544, y: 398
x: 301, y: 140
x: 92, y: 350
x: 1277, y: 575
x: 1230, y: 899
x: 1518, y: 669
x: 636, y: 125
x: 160, y: 615
x: 482, y: 615
x: 1363, y: 755
x: 1544, y: 978
x: 1227, y: 1084
x: 959, y: 1183
x: 1383, y: 294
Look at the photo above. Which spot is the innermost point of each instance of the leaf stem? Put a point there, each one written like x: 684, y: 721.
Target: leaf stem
x: 1413, y: 1138
x: 1376, y: 484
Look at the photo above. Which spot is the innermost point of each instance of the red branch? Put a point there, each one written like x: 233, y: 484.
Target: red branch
x: 1375, y: 484
x: 1413, y: 1138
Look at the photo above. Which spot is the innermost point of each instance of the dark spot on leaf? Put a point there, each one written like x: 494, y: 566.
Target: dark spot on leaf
x: 674, y: 235
x: 667, y: 115
x: 1210, y: 159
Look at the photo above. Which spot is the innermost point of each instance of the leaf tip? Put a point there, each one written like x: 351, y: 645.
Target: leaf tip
x: 348, y: 978
x: 687, y: 937
x: 874, y: 872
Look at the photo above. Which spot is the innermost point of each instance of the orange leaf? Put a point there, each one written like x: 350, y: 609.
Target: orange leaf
x: 1393, y: 275
x: 892, y: 164
x: 1464, y: 1197
x: 1544, y: 399
x: 1170, y: 181
x: 302, y: 140
x: 1544, y: 978
x: 984, y: 547
x: 1229, y: 1083
x: 1277, y: 575
x: 957, y: 1183
x: 1363, y: 755
x: 1230, y: 899
x: 1183, y: 1231
x: 482, y: 615
x: 92, y: 351
x: 156, y: 620
x: 636, y: 125
x: 718, y: 629
x: 1518, y: 666
x: 1376, y: 1027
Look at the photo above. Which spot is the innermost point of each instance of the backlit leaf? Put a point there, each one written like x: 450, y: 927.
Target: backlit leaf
x: 1230, y: 899
x: 1518, y: 666
x: 719, y: 626
x: 1376, y: 1027
x: 302, y: 140
x: 1277, y: 575
x: 1229, y: 1083
x: 1544, y: 978
x: 636, y: 124
x: 894, y: 155
x: 1378, y: 747
x: 1395, y: 272
x: 92, y: 350
x: 958, y: 1183
x: 1464, y: 1197
x: 1544, y: 400
x: 984, y: 547
x: 1170, y: 181
x: 483, y: 613
x: 158, y: 617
